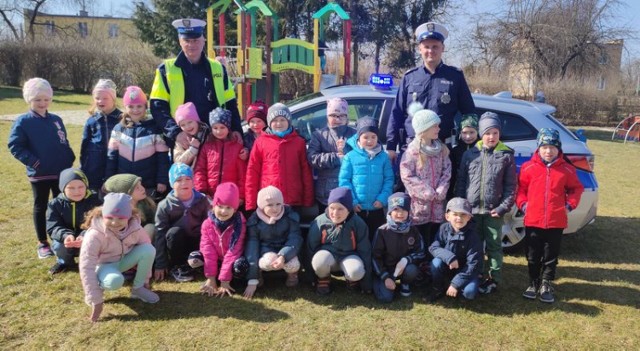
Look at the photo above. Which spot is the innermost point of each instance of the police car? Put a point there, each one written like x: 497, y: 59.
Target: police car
x: 521, y: 121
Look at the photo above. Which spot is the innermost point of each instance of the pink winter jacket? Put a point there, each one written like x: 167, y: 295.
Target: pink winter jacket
x: 101, y: 245
x: 427, y: 186
x: 214, y: 246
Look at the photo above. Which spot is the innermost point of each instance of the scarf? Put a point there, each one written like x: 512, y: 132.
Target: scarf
x: 399, y: 227
x: 431, y: 150
x: 223, y: 225
x: 333, y: 230
x: 373, y: 152
x: 283, y: 133
x: 269, y: 220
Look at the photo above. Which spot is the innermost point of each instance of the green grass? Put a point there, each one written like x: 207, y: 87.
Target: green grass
x: 598, y: 294
x: 12, y: 102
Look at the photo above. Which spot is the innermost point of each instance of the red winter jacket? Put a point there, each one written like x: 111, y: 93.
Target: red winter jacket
x: 281, y: 162
x: 218, y: 162
x: 546, y: 190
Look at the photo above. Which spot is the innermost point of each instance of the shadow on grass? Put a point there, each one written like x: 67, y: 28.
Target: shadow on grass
x: 180, y: 305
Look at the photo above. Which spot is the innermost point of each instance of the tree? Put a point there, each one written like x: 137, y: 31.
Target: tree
x: 12, y: 12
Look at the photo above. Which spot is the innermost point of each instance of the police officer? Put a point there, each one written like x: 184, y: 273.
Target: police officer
x: 438, y: 87
x: 192, y: 77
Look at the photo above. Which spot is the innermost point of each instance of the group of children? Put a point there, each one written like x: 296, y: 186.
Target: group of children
x: 232, y: 206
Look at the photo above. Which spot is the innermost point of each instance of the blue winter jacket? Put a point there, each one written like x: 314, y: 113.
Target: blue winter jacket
x: 41, y: 144
x: 93, y: 150
x: 370, y: 179
x: 464, y: 246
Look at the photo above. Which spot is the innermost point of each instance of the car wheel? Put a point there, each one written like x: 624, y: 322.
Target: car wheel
x: 513, y: 231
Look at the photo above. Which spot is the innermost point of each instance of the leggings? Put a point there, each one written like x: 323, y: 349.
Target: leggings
x: 41, y: 192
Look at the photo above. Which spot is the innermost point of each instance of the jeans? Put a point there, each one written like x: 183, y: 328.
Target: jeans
x: 442, y: 275
x: 63, y: 254
x: 110, y: 274
x: 407, y: 277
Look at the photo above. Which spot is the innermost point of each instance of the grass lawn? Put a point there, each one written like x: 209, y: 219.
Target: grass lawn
x: 12, y: 102
x: 598, y: 293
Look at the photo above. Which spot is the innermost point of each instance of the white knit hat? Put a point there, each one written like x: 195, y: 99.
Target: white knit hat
x: 423, y: 120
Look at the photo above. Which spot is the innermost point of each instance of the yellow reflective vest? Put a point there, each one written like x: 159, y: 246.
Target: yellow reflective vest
x: 173, y: 90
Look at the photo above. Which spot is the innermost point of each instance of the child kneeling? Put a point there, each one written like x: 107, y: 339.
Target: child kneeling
x: 339, y: 241
x: 457, y: 254
x: 274, y: 239
x: 115, y: 242
x: 397, y: 250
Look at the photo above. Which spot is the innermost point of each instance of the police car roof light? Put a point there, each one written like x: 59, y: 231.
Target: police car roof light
x: 381, y: 81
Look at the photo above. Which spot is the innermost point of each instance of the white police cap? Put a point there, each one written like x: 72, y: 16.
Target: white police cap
x: 189, y: 27
x: 431, y: 30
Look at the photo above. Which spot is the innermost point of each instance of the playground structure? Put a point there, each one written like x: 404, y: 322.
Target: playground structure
x: 250, y: 65
x: 628, y: 129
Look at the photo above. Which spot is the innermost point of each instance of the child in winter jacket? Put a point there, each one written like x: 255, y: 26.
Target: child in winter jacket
x: 222, y: 242
x: 39, y: 140
x: 338, y: 240
x: 366, y: 170
x: 457, y: 254
x: 104, y: 116
x: 193, y: 135
x: 257, y: 122
x: 137, y: 147
x: 425, y: 170
x: 279, y: 158
x: 114, y: 242
x: 487, y: 179
x: 178, y: 221
x: 65, y: 214
x: 219, y: 158
x: 548, y: 189
x: 327, y: 149
x: 131, y: 185
x: 468, y: 138
x: 274, y: 239
x: 397, y: 250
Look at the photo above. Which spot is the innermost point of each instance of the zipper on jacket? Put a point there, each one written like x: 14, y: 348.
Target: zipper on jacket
x: 482, y: 170
x: 73, y: 217
x: 546, y: 197
x: 221, y: 162
x: 432, y: 215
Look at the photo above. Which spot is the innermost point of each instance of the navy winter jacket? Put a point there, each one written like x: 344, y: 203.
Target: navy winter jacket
x: 464, y: 246
x: 95, y: 141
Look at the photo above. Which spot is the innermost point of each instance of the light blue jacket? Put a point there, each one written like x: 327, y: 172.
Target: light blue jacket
x: 370, y: 179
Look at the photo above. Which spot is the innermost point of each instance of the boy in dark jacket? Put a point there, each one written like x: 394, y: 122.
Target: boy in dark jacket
x: 65, y: 214
x: 487, y: 179
x: 548, y: 190
x: 468, y: 138
x: 457, y: 254
x: 178, y: 220
x: 397, y: 250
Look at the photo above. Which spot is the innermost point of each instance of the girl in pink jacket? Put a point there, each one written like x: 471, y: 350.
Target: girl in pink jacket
x: 222, y: 242
x: 115, y: 242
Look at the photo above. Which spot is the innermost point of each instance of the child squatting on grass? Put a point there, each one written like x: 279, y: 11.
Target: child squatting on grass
x: 548, y: 189
x: 274, y: 240
x: 65, y: 214
x: 114, y: 243
x: 39, y: 140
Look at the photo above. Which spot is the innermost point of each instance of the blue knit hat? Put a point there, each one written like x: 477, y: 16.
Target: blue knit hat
x: 222, y: 116
x: 367, y: 124
x: 178, y: 170
x: 117, y: 205
x: 423, y: 120
x: 489, y: 120
x: 341, y: 195
x: 549, y: 136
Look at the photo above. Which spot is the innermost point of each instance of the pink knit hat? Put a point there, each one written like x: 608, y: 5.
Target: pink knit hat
x: 227, y: 194
x: 34, y: 87
x: 269, y: 196
x: 134, y: 96
x: 337, y: 106
x: 187, y: 112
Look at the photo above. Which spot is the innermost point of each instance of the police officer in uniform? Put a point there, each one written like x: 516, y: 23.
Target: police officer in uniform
x: 438, y: 87
x: 192, y: 77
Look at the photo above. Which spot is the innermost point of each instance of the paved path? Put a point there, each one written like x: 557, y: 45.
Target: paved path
x: 78, y: 117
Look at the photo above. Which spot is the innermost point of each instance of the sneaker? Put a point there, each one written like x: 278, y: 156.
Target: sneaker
x: 196, y: 260
x: 145, y: 295
x: 488, y: 286
x: 405, y: 290
x: 546, y: 292
x: 323, y: 287
x: 57, y: 268
x: 44, y: 250
x: 292, y: 280
x: 353, y: 286
x: 182, y: 274
x: 532, y: 290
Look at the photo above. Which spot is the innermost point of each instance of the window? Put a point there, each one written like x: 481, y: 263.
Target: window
x: 50, y: 28
x: 113, y: 30
x: 83, y: 30
x: 514, y: 127
x: 602, y: 83
x: 604, y: 59
x: 307, y: 120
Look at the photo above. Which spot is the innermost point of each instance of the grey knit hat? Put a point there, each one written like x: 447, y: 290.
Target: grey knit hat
x: 367, y: 124
x: 117, y: 205
x: 489, y: 120
x: 278, y: 110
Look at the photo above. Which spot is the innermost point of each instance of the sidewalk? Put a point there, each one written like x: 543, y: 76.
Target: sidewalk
x: 78, y: 117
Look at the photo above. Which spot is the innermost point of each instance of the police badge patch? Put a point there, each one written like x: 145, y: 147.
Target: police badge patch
x: 446, y: 98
